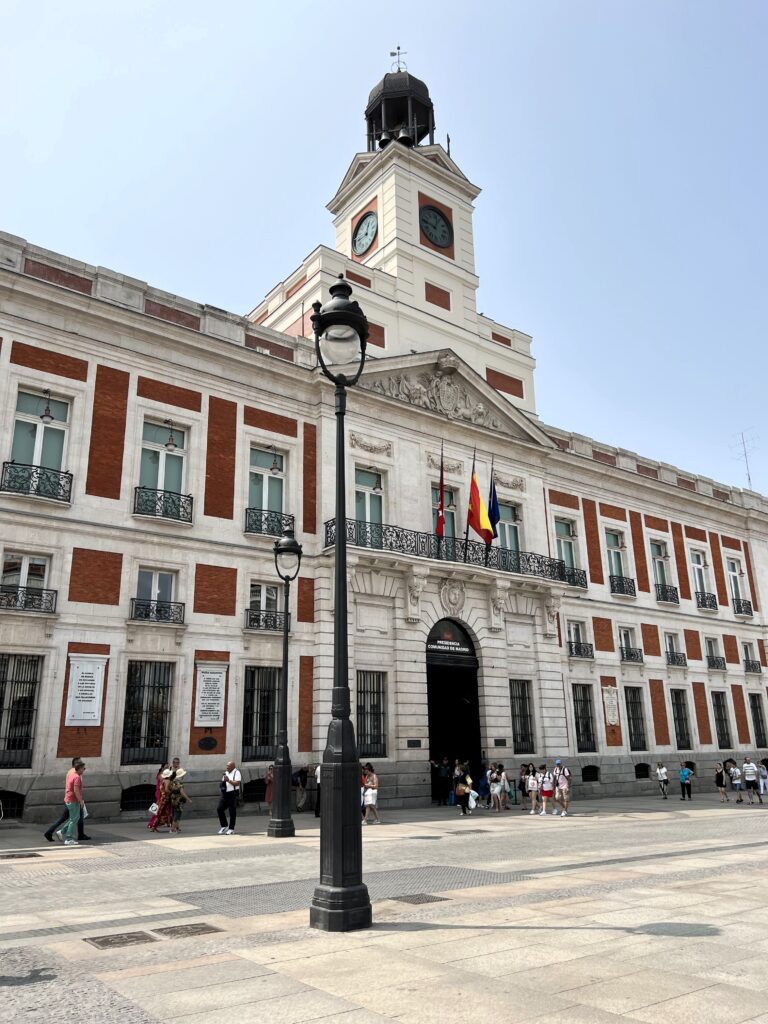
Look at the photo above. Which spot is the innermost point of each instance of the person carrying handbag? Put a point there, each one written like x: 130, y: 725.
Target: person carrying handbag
x: 463, y: 788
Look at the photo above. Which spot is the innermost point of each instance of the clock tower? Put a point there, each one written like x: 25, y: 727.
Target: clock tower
x: 403, y: 220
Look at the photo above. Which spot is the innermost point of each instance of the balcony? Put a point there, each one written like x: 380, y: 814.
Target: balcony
x: 667, y: 594
x: 579, y: 650
x: 36, y: 482
x: 677, y: 658
x: 270, y: 524
x: 707, y: 602
x: 716, y: 662
x: 171, y: 612
x: 742, y: 607
x: 382, y: 537
x: 752, y: 666
x: 27, y: 599
x: 622, y: 585
x: 148, y: 501
x: 576, y: 577
x: 271, y: 621
x: 634, y: 654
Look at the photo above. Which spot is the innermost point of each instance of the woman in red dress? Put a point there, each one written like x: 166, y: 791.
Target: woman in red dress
x: 164, y: 816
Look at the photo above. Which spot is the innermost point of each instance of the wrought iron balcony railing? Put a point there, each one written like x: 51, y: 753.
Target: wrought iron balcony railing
x: 715, y: 661
x: 578, y: 650
x: 27, y: 599
x: 576, y: 577
x: 667, y: 594
x: 706, y: 601
x: 272, y: 524
x: 752, y: 666
x: 148, y: 501
x: 273, y: 621
x: 36, y: 482
x: 742, y: 607
x: 383, y: 537
x: 677, y: 658
x: 157, y: 611
x: 623, y: 585
x: 631, y: 654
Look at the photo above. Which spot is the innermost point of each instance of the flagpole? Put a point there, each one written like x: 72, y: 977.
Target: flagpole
x: 490, y: 497
x: 441, y: 504
x: 471, y: 476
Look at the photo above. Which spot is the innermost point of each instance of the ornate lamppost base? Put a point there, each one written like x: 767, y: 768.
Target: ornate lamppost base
x: 340, y: 909
x: 281, y: 828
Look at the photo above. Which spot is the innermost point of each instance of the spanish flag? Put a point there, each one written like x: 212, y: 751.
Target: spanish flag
x: 477, y: 514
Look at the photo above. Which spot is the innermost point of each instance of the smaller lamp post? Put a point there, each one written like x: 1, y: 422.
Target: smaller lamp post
x: 287, y: 563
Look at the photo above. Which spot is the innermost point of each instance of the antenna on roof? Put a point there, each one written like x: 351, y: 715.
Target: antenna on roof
x: 744, y: 445
x: 399, y: 64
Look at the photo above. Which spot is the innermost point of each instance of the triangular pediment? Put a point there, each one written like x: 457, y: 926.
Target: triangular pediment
x: 442, y: 384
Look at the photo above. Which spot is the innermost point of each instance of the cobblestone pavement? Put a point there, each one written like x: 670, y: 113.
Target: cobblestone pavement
x: 636, y: 910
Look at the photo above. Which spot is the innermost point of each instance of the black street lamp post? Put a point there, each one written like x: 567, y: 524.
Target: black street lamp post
x: 341, y: 902
x: 287, y: 563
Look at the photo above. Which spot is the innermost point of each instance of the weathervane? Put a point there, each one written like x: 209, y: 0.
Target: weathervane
x: 399, y: 64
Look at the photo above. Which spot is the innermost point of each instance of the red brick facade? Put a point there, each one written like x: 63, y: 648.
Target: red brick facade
x: 740, y: 711
x: 220, y: 458
x: 651, y: 644
x: 169, y: 394
x: 270, y: 421
x: 603, y: 633
x: 612, y: 732
x: 105, y: 456
x: 48, y: 362
x: 305, y: 602
x: 504, y: 382
x: 209, y: 741
x: 95, y: 576
x: 81, y: 740
x: 306, y: 702
x: 701, y: 707
x: 309, y: 478
x: 215, y: 590
x: 659, y: 712
x: 594, y: 554
x: 638, y: 547
x: 681, y: 561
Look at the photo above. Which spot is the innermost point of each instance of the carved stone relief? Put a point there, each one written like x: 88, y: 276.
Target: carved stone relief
x: 416, y: 581
x: 448, y: 466
x: 370, y: 444
x: 513, y: 483
x: 452, y: 596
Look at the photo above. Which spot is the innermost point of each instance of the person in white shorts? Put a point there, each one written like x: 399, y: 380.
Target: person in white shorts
x: 562, y: 787
x: 371, y: 797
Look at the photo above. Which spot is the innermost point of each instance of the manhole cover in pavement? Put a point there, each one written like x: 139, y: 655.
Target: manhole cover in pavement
x: 181, y: 931
x: 121, y: 939
x: 421, y: 897
x: 18, y: 856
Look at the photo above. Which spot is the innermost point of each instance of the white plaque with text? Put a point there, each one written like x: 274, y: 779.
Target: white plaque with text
x: 611, y: 704
x: 86, y: 688
x: 209, y: 694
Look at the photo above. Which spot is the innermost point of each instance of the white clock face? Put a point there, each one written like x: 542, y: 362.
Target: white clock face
x: 365, y: 232
x: 436, y: 226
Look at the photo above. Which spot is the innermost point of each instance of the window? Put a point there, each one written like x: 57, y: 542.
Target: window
x: 265, y: 480
x: 720, y: 711
x: 263, y: 597
x: 508, y: 529
x: 675, y: 655
x: 260, y: 711
x: 758, y: 719
x: 699, y: 568
x: 38, y: 449
x: 633, y: 698
x: 147, y: 711
x: 564, y: 536
x: 584, y: 718
x: 447, y: 547
x: 578, y: 646
x: 369, y: 508
x: 735, y: 576
x: 642, y: 770
x: 577, y: 632
x: 19, y: 681
x: 615, y: 546
x: 264, y: 609
x: 523, y: 739
x: 659, y: 559
x: 680, y: 717
x: 371, y: 714
x: 751, y: 664
x: 714, y: 658
x: 154, y: 597
x: 23, y: 583
x: 627, y: 648
x: 161, y: 473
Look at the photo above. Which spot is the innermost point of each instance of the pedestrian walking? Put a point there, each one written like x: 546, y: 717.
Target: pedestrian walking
x: 443, y: 773
x: 269, y: 782
x: 299, y: 779
x: 762, y: 777
x: 317, y: 793
x: 562, y: 775
x: 721, y: 782
x: 54, y: 830
x: 163, y: 817
x: 685, y: 780
x: 230, y: 785
x: 504, y: 780
x: 546, y: 788
x: 158, y: 790
x: 484, y: 787
x: 462, y: 789
x: 75, y: 804
x: 371, y: 798
x: 662, y: 777
x: 177, y: 797
x: 735, y: 774
x: 494, y: 784
x: 532, y: 785
x: 750, y: 774
x: 522, y: 785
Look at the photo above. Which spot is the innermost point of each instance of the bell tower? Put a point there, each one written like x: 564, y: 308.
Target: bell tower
x: 399, y: 110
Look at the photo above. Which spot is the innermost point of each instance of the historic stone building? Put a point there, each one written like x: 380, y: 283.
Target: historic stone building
x: 152, y: 449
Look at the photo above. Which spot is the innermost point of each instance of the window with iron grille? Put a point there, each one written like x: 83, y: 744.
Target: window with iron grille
x: 633, y: 698
x: 260, y: 711
x: 523, y: 740
x: 722, y: 728
x: 147, y: 712
x: 680, y: 718
x: 19, y: 682
x: 584, y: 717
x: 758, y: 719
x: 371, y: 714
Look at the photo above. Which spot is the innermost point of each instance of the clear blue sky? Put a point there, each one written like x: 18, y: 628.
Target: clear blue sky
x: 621, y: 148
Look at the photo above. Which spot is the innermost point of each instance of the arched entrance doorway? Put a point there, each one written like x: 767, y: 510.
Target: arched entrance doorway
x: 453, y: 707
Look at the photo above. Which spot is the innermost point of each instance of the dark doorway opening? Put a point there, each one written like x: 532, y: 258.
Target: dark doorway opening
x: 453, y: 706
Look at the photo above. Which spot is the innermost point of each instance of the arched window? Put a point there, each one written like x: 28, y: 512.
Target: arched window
x: 590, y: 773
x: 137, y: 798
x: 642, y: 771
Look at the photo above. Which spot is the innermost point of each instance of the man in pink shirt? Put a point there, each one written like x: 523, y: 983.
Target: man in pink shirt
x: 73, y: 800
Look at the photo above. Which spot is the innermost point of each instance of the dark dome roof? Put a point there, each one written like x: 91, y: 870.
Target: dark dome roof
x: 399, y: 83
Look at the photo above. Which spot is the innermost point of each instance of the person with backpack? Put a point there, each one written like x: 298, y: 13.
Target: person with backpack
x: 532, y: 786
x: 562, y: 775
x: 546, y: 788
x: 735, y: 772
